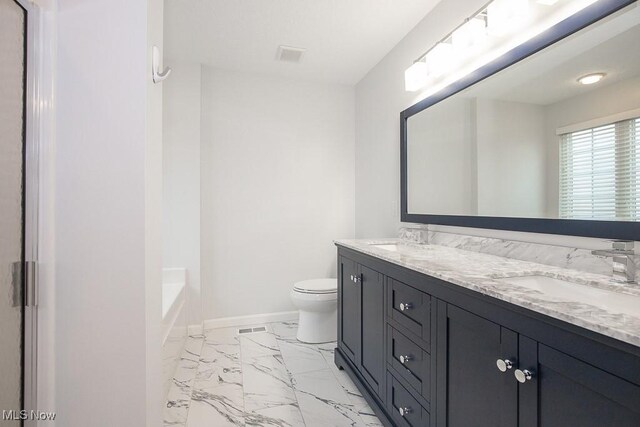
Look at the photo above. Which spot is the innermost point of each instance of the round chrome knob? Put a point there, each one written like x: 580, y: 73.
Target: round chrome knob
x: 404, y: 411
x: 523, y: 375
x: 405, y: 359
x: 504, y: 365
x: 405, y: 306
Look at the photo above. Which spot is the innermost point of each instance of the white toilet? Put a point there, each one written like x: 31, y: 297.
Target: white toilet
x: 317, y: 301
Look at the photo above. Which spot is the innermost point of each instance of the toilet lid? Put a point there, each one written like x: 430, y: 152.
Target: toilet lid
x: 317, y: 286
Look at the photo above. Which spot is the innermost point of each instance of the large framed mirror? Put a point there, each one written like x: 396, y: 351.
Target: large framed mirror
x: 544, y: 139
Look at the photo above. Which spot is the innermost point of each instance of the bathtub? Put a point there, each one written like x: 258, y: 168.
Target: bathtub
x: 174, y: 322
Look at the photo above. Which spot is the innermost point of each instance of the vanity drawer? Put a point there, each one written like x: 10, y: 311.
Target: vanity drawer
x: 410, y: 308
x: 410, y: 361
x: 403, y: 407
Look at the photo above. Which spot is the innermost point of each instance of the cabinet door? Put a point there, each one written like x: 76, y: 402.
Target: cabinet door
x: 564, y: 391
x: 471, y: 390
x: 372, y: 354
x: 349, y: 309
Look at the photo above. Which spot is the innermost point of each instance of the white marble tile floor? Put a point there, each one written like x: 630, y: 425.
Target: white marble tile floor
x: 262, y: 379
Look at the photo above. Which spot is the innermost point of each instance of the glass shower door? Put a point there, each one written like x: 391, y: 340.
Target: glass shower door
x: 12, y: 218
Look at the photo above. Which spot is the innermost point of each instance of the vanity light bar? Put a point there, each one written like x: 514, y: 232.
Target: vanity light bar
x: 441, y: 55
x: 497, y: 18
x: 416, y: 76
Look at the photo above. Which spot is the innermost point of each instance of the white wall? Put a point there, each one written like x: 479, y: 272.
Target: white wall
x: 478, y: 157
x: 154, y: 402
x: 107, y: 215
x: 380, y: 97
x: 181, y: 178
x: 46, y: 365
x: 277, y: 188
x: 441, y: 160
x: 512, y: 154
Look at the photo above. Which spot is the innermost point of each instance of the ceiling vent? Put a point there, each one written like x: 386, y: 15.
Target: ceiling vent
x: 290, y: 54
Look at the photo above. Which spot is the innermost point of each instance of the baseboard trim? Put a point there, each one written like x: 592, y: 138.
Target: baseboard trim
x: 225, y: 322
x: 195, y: 329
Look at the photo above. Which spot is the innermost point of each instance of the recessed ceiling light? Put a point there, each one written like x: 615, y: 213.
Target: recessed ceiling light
x: 590, y: 79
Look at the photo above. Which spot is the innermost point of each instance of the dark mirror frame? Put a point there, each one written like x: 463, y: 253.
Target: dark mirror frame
x: 604, y: 229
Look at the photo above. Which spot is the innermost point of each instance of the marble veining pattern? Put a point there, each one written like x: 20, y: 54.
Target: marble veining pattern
x: 558, y: 256
x: 478, y: 271
x: 181, y: 389
x: 263, y: 379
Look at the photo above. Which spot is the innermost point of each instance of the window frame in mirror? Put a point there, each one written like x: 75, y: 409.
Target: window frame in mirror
x: 625, y: 230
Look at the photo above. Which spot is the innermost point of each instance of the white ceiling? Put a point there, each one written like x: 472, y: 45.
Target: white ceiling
x: 344, y: 38
x: 610, y: 46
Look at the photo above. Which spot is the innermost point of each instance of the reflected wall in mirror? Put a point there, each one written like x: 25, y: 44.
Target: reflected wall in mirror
x: 532, y: 141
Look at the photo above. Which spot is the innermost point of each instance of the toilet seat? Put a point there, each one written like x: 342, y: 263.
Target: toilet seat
x: 317, y: 286
x: 305, y: 297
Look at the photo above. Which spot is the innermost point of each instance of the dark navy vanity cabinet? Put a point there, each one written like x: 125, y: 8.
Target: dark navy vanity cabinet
x: 361, y: 321
x: 425, y: 352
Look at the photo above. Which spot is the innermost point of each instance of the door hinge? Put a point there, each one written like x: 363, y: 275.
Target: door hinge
x: 31, y: 284
x: 17, y: 284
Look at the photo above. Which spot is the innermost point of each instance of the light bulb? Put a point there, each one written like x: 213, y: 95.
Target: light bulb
x: 415, y: 77
x: 504, y: 16
x: 470, y: 33
x: 440, y: 59
x: 590, y: 79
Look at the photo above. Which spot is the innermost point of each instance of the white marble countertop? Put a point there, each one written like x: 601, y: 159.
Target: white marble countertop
x: 477, y: 271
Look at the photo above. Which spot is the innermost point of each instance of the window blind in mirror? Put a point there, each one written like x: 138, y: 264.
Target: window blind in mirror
x: 600, y: 172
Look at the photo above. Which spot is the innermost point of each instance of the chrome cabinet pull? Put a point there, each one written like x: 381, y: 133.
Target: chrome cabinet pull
x: 405, y: 359
x: 504, y: 365
x: 405, y: 306
x: 404, y: 411
x: 523, y: 375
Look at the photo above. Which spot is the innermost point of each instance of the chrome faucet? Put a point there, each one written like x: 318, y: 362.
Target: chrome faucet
x: 624, y: 260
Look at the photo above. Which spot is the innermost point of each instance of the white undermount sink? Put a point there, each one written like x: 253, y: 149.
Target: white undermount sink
x: 611, y: 301
x: 387, y: 247
x: 409, y: 252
